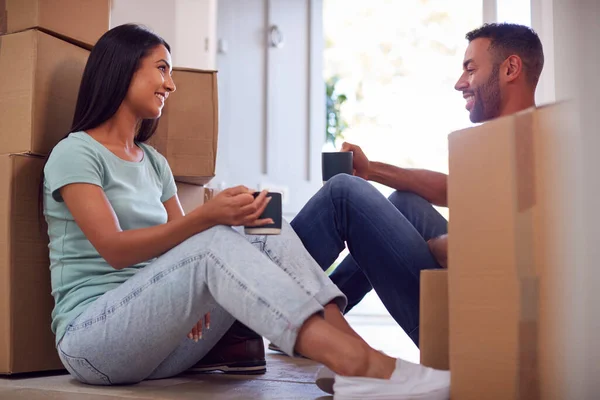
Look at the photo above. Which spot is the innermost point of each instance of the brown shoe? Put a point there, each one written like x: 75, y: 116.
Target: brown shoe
x: 240, y: 351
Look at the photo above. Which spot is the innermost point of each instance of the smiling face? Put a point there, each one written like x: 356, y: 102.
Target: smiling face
x: 151, y: 84
x: 480, y: 82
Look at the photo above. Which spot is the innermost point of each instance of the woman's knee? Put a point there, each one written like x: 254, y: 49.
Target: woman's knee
x: 210, y: 238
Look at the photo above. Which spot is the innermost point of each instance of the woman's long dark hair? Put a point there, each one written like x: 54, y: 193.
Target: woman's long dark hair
x: 106, y: 79
x: 107, y: 75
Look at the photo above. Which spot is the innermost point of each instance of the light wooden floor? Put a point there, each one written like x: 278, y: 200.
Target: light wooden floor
x: 286, y: 378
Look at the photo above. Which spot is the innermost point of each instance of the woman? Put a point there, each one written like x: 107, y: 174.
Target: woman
x: 132, y: 275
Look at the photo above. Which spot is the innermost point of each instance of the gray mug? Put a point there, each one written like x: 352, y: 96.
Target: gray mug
x: 336, y: 163
x: 273, y: 211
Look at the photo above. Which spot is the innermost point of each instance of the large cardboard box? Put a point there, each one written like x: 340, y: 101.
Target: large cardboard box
x: 188, y: 129
x: 80, y: 21
x: 512, y: 221
x: 26, y: 341
x: 192, y: 196
x: 433, y: 319
x: 38, y: 90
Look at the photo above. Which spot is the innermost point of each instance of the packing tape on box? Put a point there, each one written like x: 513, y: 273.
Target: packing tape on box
x: 525, y: 161
x: 528, y: 382
x: 3, y: 17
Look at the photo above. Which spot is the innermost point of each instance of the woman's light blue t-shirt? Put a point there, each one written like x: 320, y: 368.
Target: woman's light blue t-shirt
x: 136, y: 192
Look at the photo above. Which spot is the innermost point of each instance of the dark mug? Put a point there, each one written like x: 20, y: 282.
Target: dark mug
x: 336, y: 163
x: 273, y: 211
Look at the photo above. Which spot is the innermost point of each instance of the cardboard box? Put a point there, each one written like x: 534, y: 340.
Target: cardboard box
x: 510, y: 194
x: 192, y: 196
x: 188, y: 129
x: 79, y: 21
x: 38, y: 90
x: 433, y: 319
x: 26, y: 303
x: 27, y: 343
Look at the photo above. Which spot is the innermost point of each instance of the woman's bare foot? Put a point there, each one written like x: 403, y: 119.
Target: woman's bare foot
x: 380, y: 365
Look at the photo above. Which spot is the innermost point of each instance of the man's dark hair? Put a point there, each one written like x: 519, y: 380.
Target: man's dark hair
x: 512, y: 39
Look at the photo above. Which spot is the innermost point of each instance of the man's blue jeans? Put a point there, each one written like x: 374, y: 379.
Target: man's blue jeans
x: 387, y: 240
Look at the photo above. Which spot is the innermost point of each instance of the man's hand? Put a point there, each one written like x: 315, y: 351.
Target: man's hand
x: 439, y: 248
x: 360, y: 161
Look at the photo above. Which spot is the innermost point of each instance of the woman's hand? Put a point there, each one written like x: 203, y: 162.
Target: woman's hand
x: 360, y: 162
x: 237, y: 207
x: 439, y: 248
x: 196, y: 332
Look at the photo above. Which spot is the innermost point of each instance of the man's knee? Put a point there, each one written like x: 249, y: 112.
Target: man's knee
x: 402, y: 200
x: 345, y: 184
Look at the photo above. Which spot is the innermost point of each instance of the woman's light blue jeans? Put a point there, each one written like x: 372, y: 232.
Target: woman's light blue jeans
x: 139, y: 330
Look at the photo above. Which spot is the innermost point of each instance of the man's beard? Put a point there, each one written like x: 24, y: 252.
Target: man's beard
x: 487, y: 99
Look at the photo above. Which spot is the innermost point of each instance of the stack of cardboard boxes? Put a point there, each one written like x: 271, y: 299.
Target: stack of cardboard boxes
x: 187, y: 134
x: 44, y: 47
x: 494, y: 317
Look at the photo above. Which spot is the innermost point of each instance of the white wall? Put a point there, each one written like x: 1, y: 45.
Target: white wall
x: 574, y: 32
x: 542, y: 22
x: 156, y: 14
x: 577, y: 49
x: 196, y: 34
x: 189, y: 26
x: 271, y: 99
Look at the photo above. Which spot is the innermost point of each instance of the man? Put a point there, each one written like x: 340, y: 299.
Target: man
x: 391, y: 240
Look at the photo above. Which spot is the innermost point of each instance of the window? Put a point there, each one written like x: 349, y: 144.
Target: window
x: 397, y: 63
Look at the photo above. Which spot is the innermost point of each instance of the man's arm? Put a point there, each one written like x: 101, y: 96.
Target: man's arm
x: 431, y: 185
